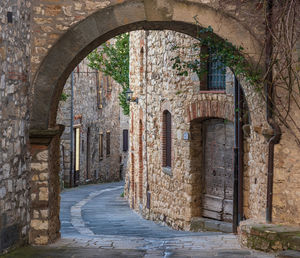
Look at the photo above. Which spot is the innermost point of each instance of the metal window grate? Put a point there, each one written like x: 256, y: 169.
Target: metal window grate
x: 216, y: 74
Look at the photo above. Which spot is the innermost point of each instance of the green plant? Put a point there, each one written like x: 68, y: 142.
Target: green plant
x: 210, y: 47
x: 113, y: 60
x: 122, y: 194
x: 284, y: 87
x: 64, y: 96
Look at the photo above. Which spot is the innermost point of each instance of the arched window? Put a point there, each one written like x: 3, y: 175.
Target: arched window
x: 167, y: 139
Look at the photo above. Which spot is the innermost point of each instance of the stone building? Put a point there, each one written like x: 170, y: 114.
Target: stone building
x: 14, y: 122
x: 184, y: 133
x: 174, y: 151
x: 42, y: 42
x: 97, y: 148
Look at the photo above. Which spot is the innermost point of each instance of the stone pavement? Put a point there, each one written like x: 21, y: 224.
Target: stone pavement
x: 97, y: 222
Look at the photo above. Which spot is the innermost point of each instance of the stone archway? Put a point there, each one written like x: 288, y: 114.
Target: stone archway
x: 69, y: 50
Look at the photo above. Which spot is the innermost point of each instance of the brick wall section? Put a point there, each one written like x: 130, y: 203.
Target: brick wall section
x: 210, y: 108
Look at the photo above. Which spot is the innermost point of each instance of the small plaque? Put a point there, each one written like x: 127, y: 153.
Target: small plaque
x: 186, y: 136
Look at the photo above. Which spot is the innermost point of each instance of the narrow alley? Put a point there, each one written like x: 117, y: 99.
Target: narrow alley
x: 96, y: 221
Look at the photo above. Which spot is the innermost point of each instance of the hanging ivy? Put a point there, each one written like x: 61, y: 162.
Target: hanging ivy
x: 216, y: 49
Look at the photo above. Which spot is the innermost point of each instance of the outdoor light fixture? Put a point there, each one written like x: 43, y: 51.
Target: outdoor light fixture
x: 129, y: 96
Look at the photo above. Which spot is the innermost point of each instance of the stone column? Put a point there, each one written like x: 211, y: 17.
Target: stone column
x: 45, y: 199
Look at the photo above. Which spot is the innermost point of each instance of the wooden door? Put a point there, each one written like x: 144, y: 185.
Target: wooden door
x: 218, y: 140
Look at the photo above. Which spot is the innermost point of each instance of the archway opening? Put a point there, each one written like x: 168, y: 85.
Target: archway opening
x: 67, y: 53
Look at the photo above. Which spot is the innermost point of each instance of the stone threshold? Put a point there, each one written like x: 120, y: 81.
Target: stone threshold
x: 270, y: 237
x: 199, y: 224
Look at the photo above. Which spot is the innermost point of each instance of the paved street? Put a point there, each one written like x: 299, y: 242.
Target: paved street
x: 97, y: 222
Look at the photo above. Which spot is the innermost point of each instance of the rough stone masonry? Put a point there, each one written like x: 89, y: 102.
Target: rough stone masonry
x: 62, y: 33
x: 14, y: 122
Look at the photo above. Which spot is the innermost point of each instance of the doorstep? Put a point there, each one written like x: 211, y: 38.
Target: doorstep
x: 199, y: 224
x: 269, y: 237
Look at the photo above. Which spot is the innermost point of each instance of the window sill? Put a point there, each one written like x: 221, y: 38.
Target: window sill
x: 167, y: 170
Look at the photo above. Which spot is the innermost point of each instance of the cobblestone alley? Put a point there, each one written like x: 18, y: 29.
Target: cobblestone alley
x: 97, y: 222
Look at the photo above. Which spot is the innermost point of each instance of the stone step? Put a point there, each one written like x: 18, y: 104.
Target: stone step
x: 270, y: 237
x: 288, y: 254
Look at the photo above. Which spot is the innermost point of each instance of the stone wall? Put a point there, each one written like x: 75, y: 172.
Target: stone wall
x: 53, y: 18
x: 14, y: 122
x: 176, y: 194
x: 96, y: 111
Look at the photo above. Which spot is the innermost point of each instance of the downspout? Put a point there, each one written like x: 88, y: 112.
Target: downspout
x: 269, y: 109
x: 71, y: 131
x: 146, y: 124
x: 240, y: 154
x: 236, y: 157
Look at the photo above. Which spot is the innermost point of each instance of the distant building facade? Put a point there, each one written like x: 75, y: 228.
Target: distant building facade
x: 97, y: 145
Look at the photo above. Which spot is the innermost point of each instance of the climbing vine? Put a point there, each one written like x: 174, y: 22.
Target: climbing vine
x: 209, y: 47
x: 113, y: 60
x: 284, y: 64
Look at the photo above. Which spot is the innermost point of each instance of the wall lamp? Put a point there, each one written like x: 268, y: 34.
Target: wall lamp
x: 129, y: 96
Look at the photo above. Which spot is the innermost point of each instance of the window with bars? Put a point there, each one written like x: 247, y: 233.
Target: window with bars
x: 125, y: 140
x: 107, y: 143
x: 167, y: 139
x: 216, y: 74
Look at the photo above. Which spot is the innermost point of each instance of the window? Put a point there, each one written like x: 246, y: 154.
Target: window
x: 216, y: 74
x: 77, y: 148
x: 108, y: 84
x: 125, y: 140
x: 107, y: 143
x: 167, y: 139
x: 101, y: 146
x: 99, y: 88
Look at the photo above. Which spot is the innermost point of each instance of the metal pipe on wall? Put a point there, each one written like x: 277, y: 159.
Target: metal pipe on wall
x: 269, y: 109
x: 240, y: 153
x: 72, y: 175
x: 235, y: 164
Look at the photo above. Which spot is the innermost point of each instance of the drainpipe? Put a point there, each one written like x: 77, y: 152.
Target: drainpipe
x: 236, y: 157
x: 71, y: 132
x: 146, y: 124
x: 269, y: 110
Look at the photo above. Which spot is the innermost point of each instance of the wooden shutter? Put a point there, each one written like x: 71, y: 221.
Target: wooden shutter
x: 125, y: 140
x: 107, y: 143
x: 168, y: 139
x: 101, y: 146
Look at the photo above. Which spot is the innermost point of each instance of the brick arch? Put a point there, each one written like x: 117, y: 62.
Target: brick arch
x: 105, y: 23
x: 209, y: 109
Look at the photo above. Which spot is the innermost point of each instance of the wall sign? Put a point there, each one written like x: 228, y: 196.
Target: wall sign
x: 186, y: 136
